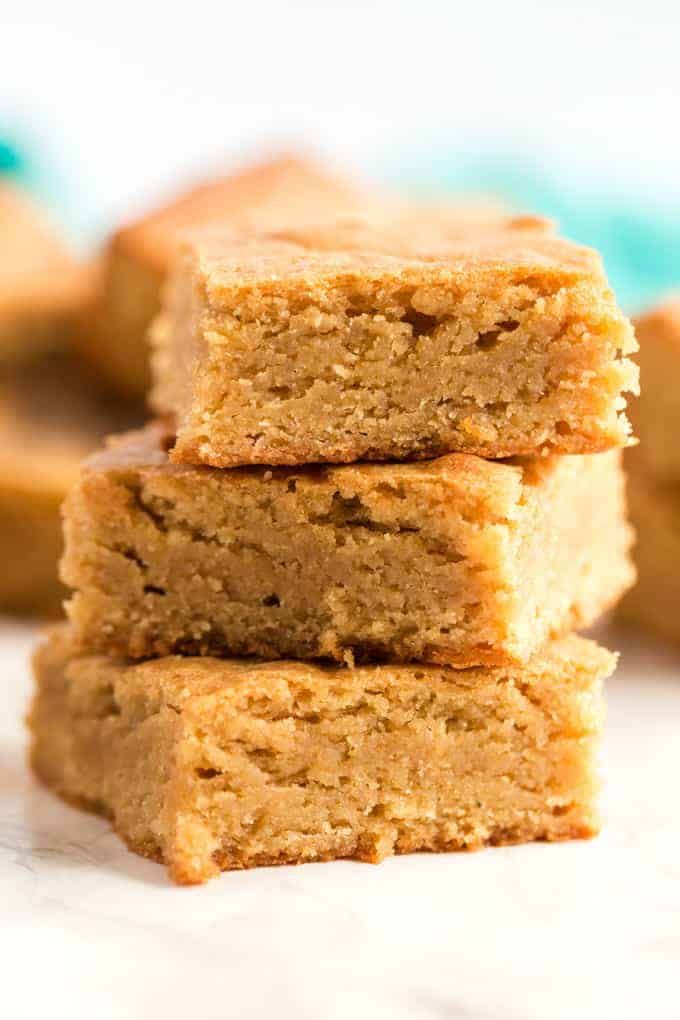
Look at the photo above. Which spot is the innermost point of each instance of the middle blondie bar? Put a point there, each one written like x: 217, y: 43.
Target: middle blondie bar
x: 456, y: 561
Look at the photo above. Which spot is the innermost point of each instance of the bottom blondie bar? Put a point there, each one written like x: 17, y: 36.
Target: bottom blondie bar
x: 654, y: 602
x: 212, y: 764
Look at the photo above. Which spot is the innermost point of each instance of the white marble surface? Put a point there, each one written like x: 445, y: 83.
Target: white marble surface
x: 548, y: 932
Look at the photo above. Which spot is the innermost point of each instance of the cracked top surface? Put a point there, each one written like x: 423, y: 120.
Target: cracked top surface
x: 463, y: 259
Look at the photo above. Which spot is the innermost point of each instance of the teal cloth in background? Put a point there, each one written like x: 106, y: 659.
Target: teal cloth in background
x: 19, y: 163
x: 12, y: 162
x: 639, y: 240
x: 26, y: 164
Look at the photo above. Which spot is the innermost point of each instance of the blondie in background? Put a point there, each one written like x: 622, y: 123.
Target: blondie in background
x: 569, y: 109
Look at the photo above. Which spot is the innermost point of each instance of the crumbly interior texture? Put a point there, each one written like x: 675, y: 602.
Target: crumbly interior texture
x: 50, y: 418
x: 139, y: 255
x: 459, y: 561
x: 41, y: 286
x: 212, y: 764
x: 656, y: 413
x: 497, y: 343
x: 654, y: 602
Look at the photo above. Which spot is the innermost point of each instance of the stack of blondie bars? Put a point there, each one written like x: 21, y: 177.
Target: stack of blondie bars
x: 323, y: 605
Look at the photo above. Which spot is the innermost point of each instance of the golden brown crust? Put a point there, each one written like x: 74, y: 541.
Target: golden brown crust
x: 420, y: 230
x: 472, y: 258
x: 193, y: 451
x: 185, y: 872
x: 152, y: 447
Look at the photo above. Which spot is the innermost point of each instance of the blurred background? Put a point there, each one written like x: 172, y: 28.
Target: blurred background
x: 566, y: 109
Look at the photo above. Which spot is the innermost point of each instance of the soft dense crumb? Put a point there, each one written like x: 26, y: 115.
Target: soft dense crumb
x: 42, y: 287
x: 213, y: 764
x: 50, y: 418
x: 494, y: 342
x: 655, y: 510
x: 138, y: 257
x: 656, y: 413
x: 459, y: 560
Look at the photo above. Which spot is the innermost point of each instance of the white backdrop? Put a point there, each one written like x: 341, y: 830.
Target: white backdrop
x: 127, y: 96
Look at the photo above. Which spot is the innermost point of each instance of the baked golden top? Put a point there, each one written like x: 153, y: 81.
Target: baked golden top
x: 467, y: 259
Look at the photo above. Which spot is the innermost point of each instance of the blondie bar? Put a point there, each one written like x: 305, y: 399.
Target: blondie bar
x: 42, y: 287
x: 457, y: 561
x: 656, y: 414
x: 496, y: 341
x: 50, y: 418
x: 212, y: 764
x: 139, y: 255
x: 654, y: 602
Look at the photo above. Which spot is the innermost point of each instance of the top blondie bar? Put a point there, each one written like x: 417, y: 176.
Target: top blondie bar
x: 411, y: 339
